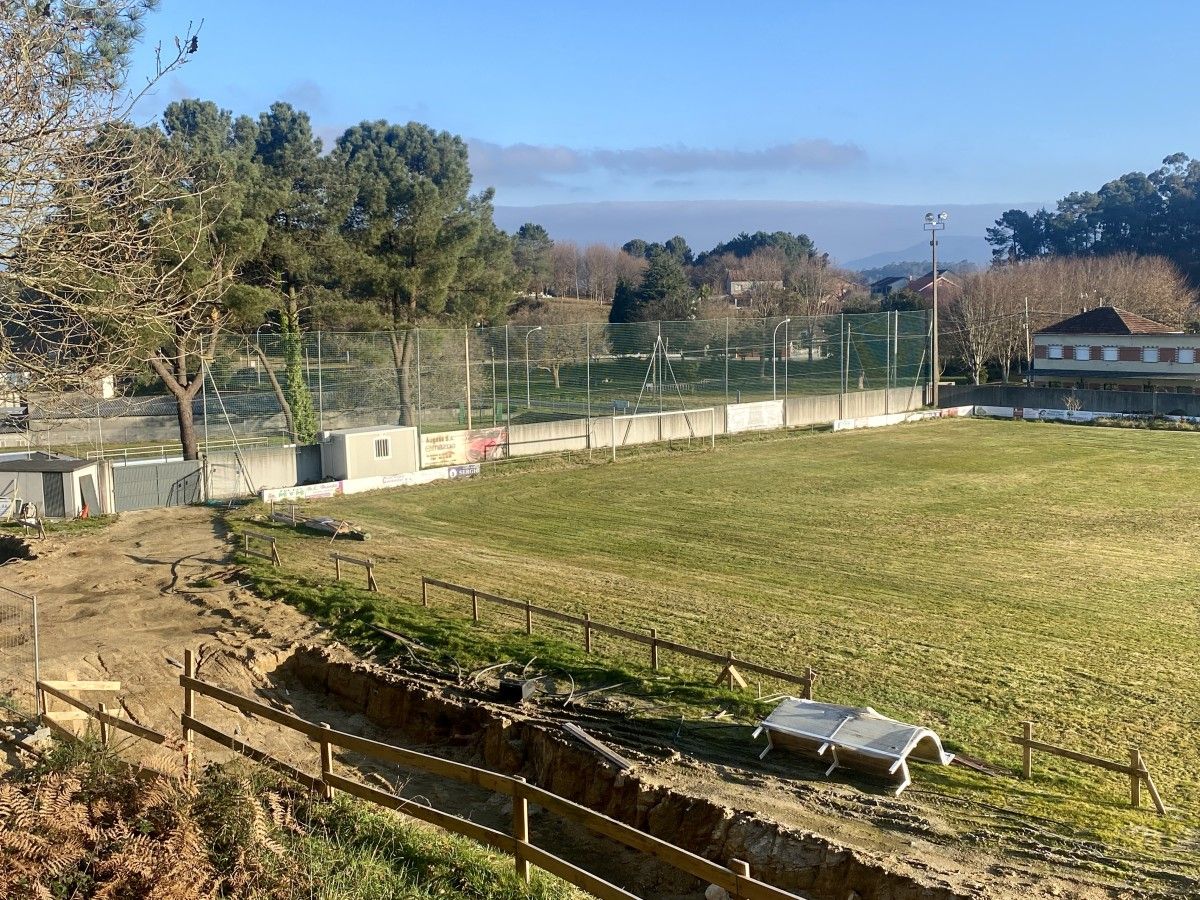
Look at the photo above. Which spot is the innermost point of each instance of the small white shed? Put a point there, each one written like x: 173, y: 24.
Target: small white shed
x: 59, y: 487
x: 368, y: 451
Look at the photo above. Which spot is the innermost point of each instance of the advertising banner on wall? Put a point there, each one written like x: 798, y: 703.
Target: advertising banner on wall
x: 754, y: 416
x: 452, y: 448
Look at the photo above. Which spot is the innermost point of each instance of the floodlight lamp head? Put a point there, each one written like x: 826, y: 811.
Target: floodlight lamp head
x: 929, y: 218
x: 943, y: 216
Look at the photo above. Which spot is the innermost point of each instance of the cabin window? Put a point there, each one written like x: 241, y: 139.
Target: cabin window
x: 1185, y: 355
x: 1110, y: 354
x: 1055, y: 351
x: 383, y: 448
x: 1150, y: 354
x: 1083, y: 353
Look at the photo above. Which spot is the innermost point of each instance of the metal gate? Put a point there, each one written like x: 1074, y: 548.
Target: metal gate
x: 147, y: 485
x: 18, y: 651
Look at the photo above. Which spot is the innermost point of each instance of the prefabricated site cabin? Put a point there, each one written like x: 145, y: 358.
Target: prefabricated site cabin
x: 59, y: 487
x: 373, y: 450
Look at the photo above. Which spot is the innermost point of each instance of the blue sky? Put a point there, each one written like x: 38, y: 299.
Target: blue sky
x: 889, y: 103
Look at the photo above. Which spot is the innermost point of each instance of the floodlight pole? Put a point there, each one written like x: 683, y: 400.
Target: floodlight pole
x: 528, y: 400
x: 775, y: 358
x: 934, y: 224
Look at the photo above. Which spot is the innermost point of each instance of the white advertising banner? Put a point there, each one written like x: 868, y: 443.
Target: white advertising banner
x: 759, y: 416
x: 950, y: 412
x: 449, y: 448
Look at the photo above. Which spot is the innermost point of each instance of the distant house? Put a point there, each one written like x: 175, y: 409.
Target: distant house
x: 885, y: 286
x: 1107, y: 348
x: 740, y: 284
x: 924, y: 284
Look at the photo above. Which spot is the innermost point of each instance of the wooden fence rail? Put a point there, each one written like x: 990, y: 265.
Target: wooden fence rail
x: 732, y: 666
x: 368, y: 564
x: 59, y: 691
x: 735, y: 879
x: 272, y: 557
x: 1136, y: 768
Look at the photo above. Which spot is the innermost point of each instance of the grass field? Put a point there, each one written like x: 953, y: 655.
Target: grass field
x: 966, y: 575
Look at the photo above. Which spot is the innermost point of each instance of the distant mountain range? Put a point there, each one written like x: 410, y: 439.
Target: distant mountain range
x: 852, y: 233
x: 951, y: 248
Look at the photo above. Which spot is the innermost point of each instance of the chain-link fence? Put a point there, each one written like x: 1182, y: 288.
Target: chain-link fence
x: 448, y: 378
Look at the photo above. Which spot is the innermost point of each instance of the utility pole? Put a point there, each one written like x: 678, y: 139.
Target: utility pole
x: 934, y: 224
x: 1028, y: 343
x: 467, y: 348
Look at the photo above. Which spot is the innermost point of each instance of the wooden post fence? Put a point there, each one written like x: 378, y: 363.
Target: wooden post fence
x: 735, y: 879
x: 189, y: 712
x: 732, y: 669
x: 272, y: 557
x: 1136, y: 768
x: 368, y: 564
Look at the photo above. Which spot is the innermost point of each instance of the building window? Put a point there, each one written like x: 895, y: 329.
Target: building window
x: 1056, y: 351
x: 1149, y: 354
x: 1083, y: 353
x: 1185, y: 355
x: 1110, y: 354
x: 383, y: 448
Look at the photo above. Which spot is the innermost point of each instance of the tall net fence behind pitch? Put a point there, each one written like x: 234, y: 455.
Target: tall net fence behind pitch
x: 18, y: 654
x: 443, y: 379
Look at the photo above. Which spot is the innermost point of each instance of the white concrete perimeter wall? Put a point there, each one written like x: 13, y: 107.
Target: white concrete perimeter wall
x: 548, y: 437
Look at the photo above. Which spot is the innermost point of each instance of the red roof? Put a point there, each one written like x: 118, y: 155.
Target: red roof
x: 1108, y: 320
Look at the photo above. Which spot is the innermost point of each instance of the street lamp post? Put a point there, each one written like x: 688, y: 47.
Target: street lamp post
x: 934, y: 224
x: 775, y: 358
x: 528, y: 399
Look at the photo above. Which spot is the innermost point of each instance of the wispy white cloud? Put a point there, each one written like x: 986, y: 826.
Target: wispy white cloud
x: 540, y: 164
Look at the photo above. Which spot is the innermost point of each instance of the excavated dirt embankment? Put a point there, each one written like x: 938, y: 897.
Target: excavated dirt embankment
x: 790, y: 858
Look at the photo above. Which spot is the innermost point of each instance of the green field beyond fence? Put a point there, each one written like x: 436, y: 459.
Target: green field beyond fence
x: 965, y: 575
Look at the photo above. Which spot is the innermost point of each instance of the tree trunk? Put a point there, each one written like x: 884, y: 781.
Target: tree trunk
x: 278, y: 390
x: 403, y: 347
x: 187, y: 427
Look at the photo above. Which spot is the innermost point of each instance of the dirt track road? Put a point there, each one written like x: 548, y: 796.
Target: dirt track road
x: 121, y: 603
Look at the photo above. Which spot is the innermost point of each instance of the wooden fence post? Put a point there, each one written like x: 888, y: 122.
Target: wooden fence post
x: 103, y: 726
x: 528, y: 618
x: 520, y: 827
x: 654, y: 649
x: 326, y: 765
x: 337, y: 567
x: 740, y: 869
x: 275, y: 554
x: 1135, y: 777
x: 809, y: 677
x: 587, y: 632
x: 1027, y: 751
x: 189, y: 709
x: 474, y: 606
x: 424, y: 591
x: 246, y: 540
x: 372, y: 584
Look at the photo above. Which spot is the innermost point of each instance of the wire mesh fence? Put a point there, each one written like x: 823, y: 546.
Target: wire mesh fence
x: 441, y: 379
x: 18, y: 652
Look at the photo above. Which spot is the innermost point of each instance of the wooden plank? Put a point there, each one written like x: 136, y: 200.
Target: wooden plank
x: 65, y: 715
x: 631, y: 837
x: 248, y: 552
x: 141, y: 731
x: 354, y: 560
x: 82, y: 685
x: 480, y: 833
x: 1042, y: 747
x: 253, y: 707
x: 603, y: 749
x: 436, y: 582
x: 413, y: 759
x: 572, y: 874
x: 750, y: 888
x: 61, y: 730
x: 250, y: 752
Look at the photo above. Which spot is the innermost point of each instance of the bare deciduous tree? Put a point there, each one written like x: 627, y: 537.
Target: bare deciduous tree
x: 83, y: 230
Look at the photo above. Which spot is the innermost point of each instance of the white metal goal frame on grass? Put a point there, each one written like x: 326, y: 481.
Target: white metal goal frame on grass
x: 691, y: 418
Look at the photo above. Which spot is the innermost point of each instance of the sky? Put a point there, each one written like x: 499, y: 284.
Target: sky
x: 864, y: 106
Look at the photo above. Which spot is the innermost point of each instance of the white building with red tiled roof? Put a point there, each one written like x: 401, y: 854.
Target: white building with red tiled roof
x: 1106, y: 348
